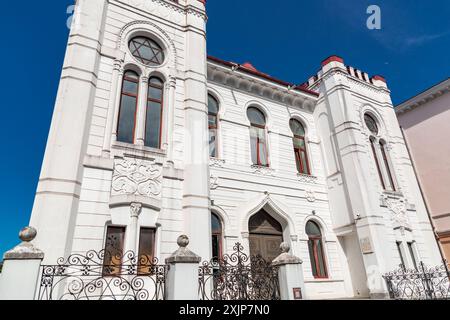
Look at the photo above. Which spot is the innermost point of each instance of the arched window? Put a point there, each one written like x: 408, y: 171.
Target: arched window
x: 258, y: 137
x: 371, y: 124
x: 213, y: 110
x: 316, y: 250
x: 301, y: 155
x: 390, y: 182
x: 128, y: 107
x: 377, y: 163
x: 381, y: 157
x: 216, y: 227
x: 153, y: 123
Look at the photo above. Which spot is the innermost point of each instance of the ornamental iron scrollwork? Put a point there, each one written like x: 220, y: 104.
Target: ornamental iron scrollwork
x: 238, y: 277
x: 423, y: 283
x: 90, y: 277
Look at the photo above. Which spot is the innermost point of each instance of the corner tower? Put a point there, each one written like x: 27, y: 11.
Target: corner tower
x: 377, y: 209
x: 127, y: 153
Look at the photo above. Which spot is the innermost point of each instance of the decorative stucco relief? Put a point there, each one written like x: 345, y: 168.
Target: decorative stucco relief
x: 264, y: 171
x: 311, y: 196
x: 214, y: 182
x: 398, y: 206
x: 306, y: 178
x: 216, y: 163
x: 137, y: 177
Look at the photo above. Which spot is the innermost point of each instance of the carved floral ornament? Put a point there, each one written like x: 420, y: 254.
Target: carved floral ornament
x: 136, y: 177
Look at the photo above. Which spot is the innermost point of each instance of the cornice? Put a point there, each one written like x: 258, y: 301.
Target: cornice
x: 423, y: 98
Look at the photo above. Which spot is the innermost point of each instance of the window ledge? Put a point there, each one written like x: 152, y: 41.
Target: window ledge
x: 138, y: 150
x: 216, y: 162
x: 307, y: 178
x: 393, y: 193
x: 262, y: 170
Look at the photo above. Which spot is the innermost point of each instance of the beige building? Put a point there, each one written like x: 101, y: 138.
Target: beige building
x: 425, y: 121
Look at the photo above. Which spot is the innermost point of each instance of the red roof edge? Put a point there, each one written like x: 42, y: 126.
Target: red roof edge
x: 263, y: 75
x: 332, y: 58
x: 380, y: 78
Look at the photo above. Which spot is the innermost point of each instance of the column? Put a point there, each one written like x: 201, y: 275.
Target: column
x: 141, y: 111
x: 114, y: 96
x: 133, y: 230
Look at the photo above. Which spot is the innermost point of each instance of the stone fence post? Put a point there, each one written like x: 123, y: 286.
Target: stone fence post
x: 290, y: 275
x: 182, y: 279
x: 21, y: 269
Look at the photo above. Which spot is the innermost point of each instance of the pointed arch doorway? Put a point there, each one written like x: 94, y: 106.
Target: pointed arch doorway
x: 266, y: 236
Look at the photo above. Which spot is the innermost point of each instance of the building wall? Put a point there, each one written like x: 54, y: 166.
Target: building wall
x: 90, y: 181
x: 240, y: 190
x: 426, y: 130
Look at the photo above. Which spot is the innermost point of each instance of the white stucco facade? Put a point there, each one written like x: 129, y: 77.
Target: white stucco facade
x: 90, y: 181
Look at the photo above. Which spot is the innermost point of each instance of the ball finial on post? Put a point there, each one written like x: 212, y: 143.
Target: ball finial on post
x: 183, y: 241
x: 27, y: 234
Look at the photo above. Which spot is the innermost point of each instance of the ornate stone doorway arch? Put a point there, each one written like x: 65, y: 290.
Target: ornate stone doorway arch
x: 265, y: 236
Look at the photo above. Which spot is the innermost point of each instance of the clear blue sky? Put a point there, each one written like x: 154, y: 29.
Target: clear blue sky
x: 287, y: 39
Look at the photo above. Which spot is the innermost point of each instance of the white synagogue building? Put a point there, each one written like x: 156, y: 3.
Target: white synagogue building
x: 151, y: 138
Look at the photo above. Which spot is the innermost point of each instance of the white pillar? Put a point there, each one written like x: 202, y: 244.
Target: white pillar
x: 116, y: 79
x: 135, y: 211
x: 59, y: 188
x: 141, y: 111
x: 290, y: 275
x: 21, y: 269
x: 182, y: 278
x: 196, y: 197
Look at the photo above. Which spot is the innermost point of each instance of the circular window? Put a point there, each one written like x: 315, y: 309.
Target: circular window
x: 146, y: 51
x: 371, y: 124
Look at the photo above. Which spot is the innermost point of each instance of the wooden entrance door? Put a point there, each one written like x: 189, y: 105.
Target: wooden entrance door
x: 266, y: 236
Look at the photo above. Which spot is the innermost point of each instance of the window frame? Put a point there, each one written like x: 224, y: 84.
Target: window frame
x: 154, y: 230
x: 216, y: 127
x: 258, y: 139
x: 136, y: 96
x: 317, y: 245
x: 298, y: 151
x: 161, y: 102
x: 219, y: 235
x: 143, y: 60
x: 117, y: 272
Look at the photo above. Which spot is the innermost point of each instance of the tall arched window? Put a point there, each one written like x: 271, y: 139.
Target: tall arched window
x: 128, y: 106
x: 390, y: 182
x: 216, y: 227
x: 377, y: 163
x: 301, y: 155
x: 213, y: 110
x: 258, y: 137
x: 316, y: 250
x: 381, y: 156
x: 153, y: 124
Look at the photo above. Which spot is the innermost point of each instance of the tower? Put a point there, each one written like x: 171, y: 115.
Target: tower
x: 127, y: 146
x: 377, y: 210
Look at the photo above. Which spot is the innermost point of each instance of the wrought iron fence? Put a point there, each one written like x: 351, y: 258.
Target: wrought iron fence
x: 238, y: 277
x: 423, y: 283
x: 89, y: 277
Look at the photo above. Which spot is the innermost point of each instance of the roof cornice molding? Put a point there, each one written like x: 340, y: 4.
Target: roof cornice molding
x: 424, y: 97
x: 267, y: 89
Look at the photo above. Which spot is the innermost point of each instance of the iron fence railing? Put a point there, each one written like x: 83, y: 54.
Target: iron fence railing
x: 238, y: 277
x: 87, y: 277
x: 423, y: 283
